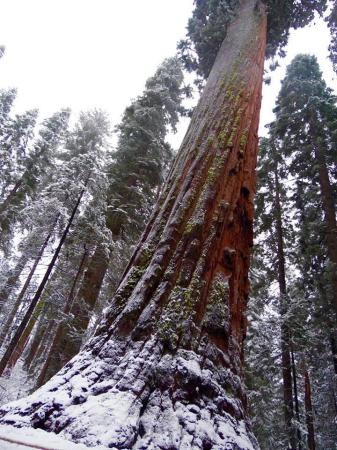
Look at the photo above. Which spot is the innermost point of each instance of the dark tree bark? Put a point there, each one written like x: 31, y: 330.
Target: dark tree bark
x: 164, y: 369
x: 328, y: 204
x: 22, y: 342
x: 309, y: 413
x: 10, y: 197
x: 285, y: 330
x: 333, y: 346
x: 25, y: 321
x: 9, y: 322
x: 296, y: 401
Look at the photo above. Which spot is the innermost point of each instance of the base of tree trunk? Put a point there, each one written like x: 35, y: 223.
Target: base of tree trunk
x: 136, y: 395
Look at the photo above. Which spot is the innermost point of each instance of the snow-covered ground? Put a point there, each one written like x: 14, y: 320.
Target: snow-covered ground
x: 28, y: 438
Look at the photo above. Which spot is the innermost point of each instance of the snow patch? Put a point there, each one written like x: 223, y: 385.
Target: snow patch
x: 12, y: 438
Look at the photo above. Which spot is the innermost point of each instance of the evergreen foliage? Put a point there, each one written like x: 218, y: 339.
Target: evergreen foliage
x: 47, y: 173
x: 305, y: 119
x: 332, y: 23
x: 208, y: 26
x: 142, y: 157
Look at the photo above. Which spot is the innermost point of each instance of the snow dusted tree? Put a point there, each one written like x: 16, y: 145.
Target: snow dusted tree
x: 273, y: 249
x: 307, y: 286
x: 89, y: 142
x: 15, y: 138
x: 164, y: 369
x: 306, y: 121
x: 332, y: 23
x: 134, y: 177
x: 23, y: 185
x: 60, y: 191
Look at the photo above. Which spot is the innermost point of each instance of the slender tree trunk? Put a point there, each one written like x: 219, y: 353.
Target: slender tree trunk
x: 37, y: 339
x: 83, y: 305
x: 297, y: 407
x: 328, y: 203
x: 25, y: 337
x: 17, y: 186
x: 42, y: 349
x: 9, y: 322
x: 309, y: 413
x: 54, y: 360
x: 333, y: 346
x: 164, y: 369
x: 20, y: 330
x: 285, y: 330
x: 13, y: 279
x: 12, y: 194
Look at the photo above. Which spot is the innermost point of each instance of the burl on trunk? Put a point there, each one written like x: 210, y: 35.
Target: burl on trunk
x: 164, y: 370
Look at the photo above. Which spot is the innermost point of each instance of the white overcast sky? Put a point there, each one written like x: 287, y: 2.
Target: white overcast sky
x: 87, y: 54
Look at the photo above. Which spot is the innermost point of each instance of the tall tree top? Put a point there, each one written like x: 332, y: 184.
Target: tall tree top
x: 332, y: 23
x: 304, y: 97
x: 210, y: 19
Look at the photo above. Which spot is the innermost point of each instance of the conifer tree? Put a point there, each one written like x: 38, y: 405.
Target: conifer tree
x: 332, y: 23
x: 57, y: 191
x: 310, y: 320
x: 170, y: 346
x: 306, y: 121
x: 23, y: 186
x: 134, y: 176
x: 271, y: 218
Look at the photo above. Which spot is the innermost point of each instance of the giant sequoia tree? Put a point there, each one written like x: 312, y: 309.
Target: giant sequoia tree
x: 164, y: 369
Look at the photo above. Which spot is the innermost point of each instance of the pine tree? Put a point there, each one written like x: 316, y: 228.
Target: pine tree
x: 170, y: 346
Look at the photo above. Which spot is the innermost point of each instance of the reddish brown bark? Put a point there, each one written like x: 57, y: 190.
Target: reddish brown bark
x: 22, y: 342
x: 172, y: 341
x: 83, y: 305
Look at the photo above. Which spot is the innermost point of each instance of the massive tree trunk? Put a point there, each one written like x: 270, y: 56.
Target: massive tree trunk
x: 285, y: 329
x: 164, y: 369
